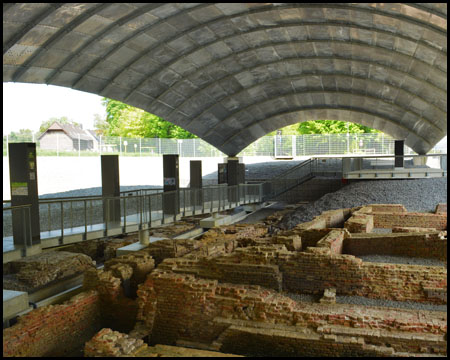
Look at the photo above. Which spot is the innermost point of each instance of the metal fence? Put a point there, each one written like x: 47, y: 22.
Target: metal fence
x: 277, y: 146
x: 69, y: 216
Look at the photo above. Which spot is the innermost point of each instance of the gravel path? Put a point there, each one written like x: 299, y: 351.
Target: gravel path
x: 421, y: 195
x: 365, y: 301
x: 262, y: 170
x: 360, y: 300
x: 402, y: 260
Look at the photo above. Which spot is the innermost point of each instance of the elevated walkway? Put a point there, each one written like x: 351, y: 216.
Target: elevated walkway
x: 146, y: 211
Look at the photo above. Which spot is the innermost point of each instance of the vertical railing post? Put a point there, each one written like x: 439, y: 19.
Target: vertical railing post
x: 62, y: 220
x: 107, y: 215
x: 48, y: 217
x: 29, y: 226
x: 85, y: 217
x: 150, y: 211
x: 22, y: 211
x: 140, y: 207
x: 124, y: 213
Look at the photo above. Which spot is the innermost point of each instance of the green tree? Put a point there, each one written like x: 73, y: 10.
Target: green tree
x: 128, y: 121
x: 100, y: 125
x: 62, y: 120
x: 332, y: 127
x: 21, y: 135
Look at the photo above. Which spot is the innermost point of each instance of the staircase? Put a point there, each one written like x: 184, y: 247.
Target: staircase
x: 287, y: 180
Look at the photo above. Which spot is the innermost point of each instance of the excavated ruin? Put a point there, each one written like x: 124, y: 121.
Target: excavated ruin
x: 250, y: 290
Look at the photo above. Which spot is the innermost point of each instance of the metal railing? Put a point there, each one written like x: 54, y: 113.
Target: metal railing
x: 386, y: 162
x: 22, y: 217
x: 336, y: 166
x: 70, y: 216
x: 287, y: 180
x: 275, y: 146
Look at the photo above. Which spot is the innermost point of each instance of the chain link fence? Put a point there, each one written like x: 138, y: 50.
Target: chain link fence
x: 277, y: 146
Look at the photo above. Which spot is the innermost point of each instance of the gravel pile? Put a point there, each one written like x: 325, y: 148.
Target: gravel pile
x: 262, y: 170
x: 421, y: 195
x: 402, y: 260
x: 95, y: 191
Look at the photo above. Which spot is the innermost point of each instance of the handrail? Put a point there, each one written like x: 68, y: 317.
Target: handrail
x: 136, y: 210
x: 16, y: 207
x: 294, y: 168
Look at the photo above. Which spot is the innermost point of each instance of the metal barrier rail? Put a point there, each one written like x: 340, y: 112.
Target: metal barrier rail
x: 23, y: 213
x: 64, y: 217
x: 287, y: 179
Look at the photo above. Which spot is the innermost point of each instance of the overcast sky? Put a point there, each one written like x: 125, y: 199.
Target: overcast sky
x: 25, y: 106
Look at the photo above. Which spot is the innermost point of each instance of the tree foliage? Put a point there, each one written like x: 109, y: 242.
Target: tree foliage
x: 62, y: 120
x: 332, y: 127
x: 21, y: 135
x: 128, y: 121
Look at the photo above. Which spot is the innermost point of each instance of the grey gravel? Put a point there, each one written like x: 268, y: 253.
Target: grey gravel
x: 413, y: 305
x: 390, y: 259
x: 365, y: 301
x: 421, y: 195
x: 303, y: 297
x: 381, y: 231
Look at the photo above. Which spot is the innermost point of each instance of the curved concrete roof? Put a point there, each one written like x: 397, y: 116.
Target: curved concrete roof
x: 231, y: 73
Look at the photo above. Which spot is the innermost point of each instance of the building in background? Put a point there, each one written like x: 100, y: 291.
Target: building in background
x: 66, y: 137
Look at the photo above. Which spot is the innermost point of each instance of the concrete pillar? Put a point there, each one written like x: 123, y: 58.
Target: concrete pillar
x: 443, y: 162
x: 144, y: 237
x: 171, y: 201
x: 24, y: 190
x: 235, y: 176
x: 196, y: 182
x: 346, y: 164
x: 419, y: 160
x: 110, y: 188
x: 398, y: 151
x: 222, y: 173
x: 357, y: 163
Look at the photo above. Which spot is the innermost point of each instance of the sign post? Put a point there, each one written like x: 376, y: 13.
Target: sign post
x: 24, y: 191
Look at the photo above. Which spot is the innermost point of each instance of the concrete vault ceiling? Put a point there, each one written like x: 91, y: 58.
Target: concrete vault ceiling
x: 231, y: 73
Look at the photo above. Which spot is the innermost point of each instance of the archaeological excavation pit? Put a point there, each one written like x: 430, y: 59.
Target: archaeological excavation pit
x: 249, y: 290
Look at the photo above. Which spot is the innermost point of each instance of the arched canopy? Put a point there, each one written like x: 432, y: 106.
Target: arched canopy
x: 231, y: 73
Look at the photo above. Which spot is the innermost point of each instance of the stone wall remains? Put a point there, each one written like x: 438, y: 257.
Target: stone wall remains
x: 421, y: 245
x: 54, y: 330
x: 182, y: 308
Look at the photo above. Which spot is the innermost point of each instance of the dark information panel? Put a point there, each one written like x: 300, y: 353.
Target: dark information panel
x: 111, y: 187
x: 171, y: 203
x: 24, y: 190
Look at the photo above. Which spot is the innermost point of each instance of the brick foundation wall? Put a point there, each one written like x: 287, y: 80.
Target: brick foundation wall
x: 424, y: 220
x: 117, y: 310
x: 180, y: 307
x: 440, y: 208
x: 391, y: 208
x: 390, y: 219
x: 429, y: 245
x: 316, y: 269
x: 313, y: 272
x: 54, y: 330
x: 360, y: 223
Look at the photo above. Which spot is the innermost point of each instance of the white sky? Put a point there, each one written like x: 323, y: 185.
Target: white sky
x: 26, y: 106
